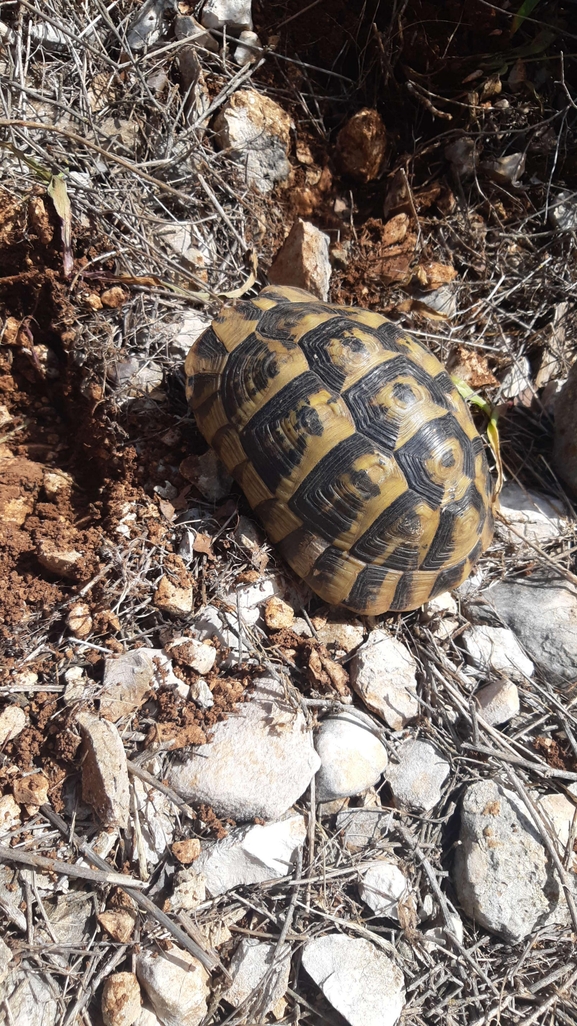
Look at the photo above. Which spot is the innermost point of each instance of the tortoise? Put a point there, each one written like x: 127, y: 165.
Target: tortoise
x: 351, y: 443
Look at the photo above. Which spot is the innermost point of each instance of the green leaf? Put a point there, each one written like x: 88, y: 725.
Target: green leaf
x: 490, y: 412
x: 524, y: 11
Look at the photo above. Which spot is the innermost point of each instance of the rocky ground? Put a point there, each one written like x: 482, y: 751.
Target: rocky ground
x: 220, y: 801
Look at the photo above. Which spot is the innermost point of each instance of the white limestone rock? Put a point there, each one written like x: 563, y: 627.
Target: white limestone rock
x: 12, y: 723
x: 383, y: 673
x: 175, y: 984
x: 382, y: 887
x: 352, y: 757
x: 303, y: 261
x: 260, y: 760
x: 496, y: 649
x: 535, y: 517
x: 235, y: 14
x: 257, y: 970
x: 560, y: 812
x: 498, y: 702
x: 417, y: 777
x: 358, y: 979
x: 255, y: 132
x: 247, y: 855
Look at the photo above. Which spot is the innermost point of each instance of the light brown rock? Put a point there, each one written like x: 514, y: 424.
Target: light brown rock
x: 278, y: 614
x: 361, y: 145
x: 57, y: 559
x: 121, y: 1004
x: 56, y: 482
x: 303, y: 260
x: 119, y: 923
x: 173, y: 599
x: 104, y: 771
x: 31, y: 790
x: 186, y: 851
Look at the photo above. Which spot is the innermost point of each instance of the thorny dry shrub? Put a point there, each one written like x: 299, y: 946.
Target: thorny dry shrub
x: 481, y: 152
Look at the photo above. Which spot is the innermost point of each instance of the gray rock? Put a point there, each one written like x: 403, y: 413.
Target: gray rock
x: 247, y: 855
x: 496, y: 649
x: 352, y: 757
x: 542, y: 612
x: 187, y: 27
x: 358, y: 979
x: 563, y: 211
x: 417, y: 777
x: 383, y: 673
x: 565, y: 444
x: 31, y: 998
x: 498, y: 702
x: 363, y: 827
x: 129, y: 677
x: 502, y: 874
x: 259, y: 762
x: 5, y: 960
x: 104, y: 770
x: 256, y: 970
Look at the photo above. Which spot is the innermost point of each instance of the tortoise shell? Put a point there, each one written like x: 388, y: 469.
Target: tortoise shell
x: 350, y: 442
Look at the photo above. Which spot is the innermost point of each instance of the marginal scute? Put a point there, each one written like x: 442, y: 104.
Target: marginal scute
x: 352, y: 444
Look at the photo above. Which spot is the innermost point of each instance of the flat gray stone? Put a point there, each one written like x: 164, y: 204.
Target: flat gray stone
x: 258, y: 976
x: 383, y: 673
x: 259, y: 762
x: 417, y: 777
x: 357, y: 978
x: 363, y: 827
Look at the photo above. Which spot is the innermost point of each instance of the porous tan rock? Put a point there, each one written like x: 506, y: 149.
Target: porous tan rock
x: 121, y: 1004
x: 278, y: 614
x: 119, y: 923
x: 186, y: 851
x: 79, y: 620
